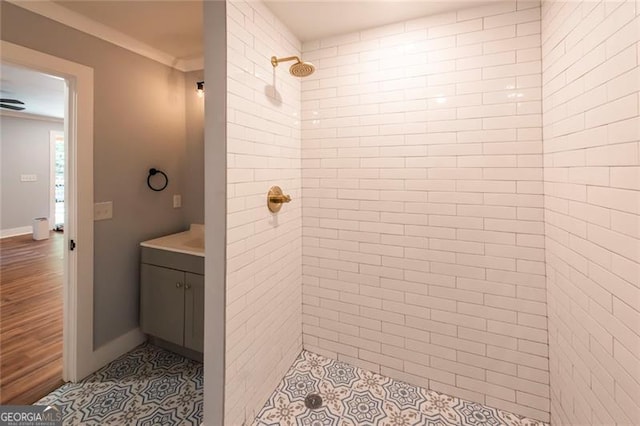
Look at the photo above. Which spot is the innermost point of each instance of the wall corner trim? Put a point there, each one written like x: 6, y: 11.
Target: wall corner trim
x: 29, y: 116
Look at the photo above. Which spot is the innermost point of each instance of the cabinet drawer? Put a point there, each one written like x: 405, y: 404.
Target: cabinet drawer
x: 173, y: 260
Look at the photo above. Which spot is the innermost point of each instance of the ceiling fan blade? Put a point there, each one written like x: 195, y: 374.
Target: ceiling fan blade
x: 13, y: 107
x: 11, y: 101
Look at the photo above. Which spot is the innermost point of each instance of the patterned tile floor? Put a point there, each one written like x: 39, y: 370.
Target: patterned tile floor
x: 352, y: 396
x: 148, y: 386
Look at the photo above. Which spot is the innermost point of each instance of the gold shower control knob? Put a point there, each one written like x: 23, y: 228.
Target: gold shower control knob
x: 280, y: 199
x: 276, y: 198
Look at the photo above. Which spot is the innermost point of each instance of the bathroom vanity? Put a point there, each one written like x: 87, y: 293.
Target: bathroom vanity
x: 172, y: 291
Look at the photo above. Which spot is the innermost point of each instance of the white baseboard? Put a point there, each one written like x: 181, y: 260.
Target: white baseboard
x: 23, y: 230
x: 121, y: 345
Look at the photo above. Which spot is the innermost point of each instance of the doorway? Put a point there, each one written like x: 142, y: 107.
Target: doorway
x: 78, y: 357
x: 31, y: 255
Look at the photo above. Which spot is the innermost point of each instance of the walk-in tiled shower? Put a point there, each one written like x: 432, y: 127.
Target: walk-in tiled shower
x: 465, y: 195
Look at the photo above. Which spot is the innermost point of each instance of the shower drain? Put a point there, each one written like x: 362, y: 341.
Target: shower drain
x: 313, y: 401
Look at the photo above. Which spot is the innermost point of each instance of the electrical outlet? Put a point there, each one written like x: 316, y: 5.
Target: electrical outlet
x: 177, y: 201
x: 103, y: 211
x: 28, y: 178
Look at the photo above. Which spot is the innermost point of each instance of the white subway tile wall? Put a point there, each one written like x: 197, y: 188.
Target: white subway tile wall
x: 423, y: 232
x: 264, y: 272
x: 591, y: 82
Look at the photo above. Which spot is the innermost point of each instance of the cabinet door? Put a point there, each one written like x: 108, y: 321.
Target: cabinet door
x: 194, y: 312
x: 162, y: 303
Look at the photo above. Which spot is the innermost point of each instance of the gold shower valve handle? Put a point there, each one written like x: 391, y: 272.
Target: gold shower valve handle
x: 276, y: 198
x: 280, y: 199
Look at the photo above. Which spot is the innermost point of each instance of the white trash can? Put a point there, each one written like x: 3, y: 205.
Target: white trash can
x: 40, y: 228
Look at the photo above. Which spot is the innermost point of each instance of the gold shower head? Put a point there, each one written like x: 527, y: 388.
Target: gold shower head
x: 299, y: 69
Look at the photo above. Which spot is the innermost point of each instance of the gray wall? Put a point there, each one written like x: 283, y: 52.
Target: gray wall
x: 193, y: 196
x: 24, y: 150
x: 139, y: 122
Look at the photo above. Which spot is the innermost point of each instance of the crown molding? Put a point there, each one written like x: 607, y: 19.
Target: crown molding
x: 193, y: 64
x: 29, y: 116
x: 80, y: 22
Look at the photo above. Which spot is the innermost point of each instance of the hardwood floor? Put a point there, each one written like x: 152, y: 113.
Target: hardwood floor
x: 31, y: 275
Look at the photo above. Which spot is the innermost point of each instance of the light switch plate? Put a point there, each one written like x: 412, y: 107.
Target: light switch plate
x: 177, y: 201
x: 103, y: 211
x: 28, y: 178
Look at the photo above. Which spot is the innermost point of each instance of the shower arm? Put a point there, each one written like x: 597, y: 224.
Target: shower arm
x: 275, y: 61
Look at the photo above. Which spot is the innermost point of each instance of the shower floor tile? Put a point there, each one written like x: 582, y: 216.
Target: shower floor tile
x: 352, y: 396
x: 147, y: 386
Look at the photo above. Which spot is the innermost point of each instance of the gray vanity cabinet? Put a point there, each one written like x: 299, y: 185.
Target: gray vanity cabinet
x: 194, y: 312
x: 172, y: 298
x: 162, y: 303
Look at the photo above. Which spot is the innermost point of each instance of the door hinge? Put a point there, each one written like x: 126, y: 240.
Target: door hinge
x: 72, y: 245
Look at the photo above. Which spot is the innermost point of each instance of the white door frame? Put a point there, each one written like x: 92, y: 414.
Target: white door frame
x: 53, y: 136
x: 79, y: 358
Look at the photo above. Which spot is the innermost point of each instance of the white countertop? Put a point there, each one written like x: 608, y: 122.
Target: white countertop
x: 188, y: 242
